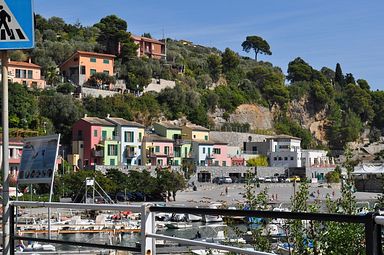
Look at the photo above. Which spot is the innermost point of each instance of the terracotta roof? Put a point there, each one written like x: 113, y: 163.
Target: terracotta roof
x: 156, y: 138
x: 141, y: 38
x: 197, y: 127
x: 95, y: 54
x: 24, y: 64
x: 79, y: 52
x: 124, y: 122
x: 98, y: 121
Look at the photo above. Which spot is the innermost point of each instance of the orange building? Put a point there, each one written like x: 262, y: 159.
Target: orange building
x: 82, y: 65
x: 26, y: 73
x: 149, y: 47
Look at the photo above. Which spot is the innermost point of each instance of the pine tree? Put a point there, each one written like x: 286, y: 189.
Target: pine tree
x: 339, y: 77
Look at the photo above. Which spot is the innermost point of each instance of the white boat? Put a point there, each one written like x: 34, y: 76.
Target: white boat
x: 35, y: 247
x: 178, y: 225
x: 213, y: 218
x: 194, y: 217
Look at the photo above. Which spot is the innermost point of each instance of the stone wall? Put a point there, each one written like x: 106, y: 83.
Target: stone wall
x: 236, y: 139
x: 97, y: 92
x: 158, y: 85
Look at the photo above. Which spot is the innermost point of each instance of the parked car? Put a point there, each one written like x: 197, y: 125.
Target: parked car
x: 222, y: 180
x: 268, y: 179
x: 274, y: 179
x: 293, y: 179
x: 259, y: 179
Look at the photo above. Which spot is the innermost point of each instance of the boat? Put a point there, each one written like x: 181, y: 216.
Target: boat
x: 213, y: 218
x: 178, y: 225
x: 35, y: 247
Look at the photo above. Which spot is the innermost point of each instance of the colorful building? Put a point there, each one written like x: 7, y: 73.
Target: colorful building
x: 81, y: 65
x: 192, y: 132
x: 157, y: 150
x: 26, y: 73
x: 130, y: 135
x: 149, y: 47
x: 94, y: 140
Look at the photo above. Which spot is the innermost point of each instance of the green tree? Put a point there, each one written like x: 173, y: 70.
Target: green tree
x: 258, y: 161
x: 214, y: 66
x: 98, y: 79
x: 299, y: 70
x: 230, y: 60
x: 258, y: 44
x: 65, y: 88
x: 339, y: 77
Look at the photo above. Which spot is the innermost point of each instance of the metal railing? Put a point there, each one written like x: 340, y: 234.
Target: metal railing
x: 372, y: 225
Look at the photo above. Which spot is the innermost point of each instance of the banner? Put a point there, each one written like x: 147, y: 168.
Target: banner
x: 38, y: 160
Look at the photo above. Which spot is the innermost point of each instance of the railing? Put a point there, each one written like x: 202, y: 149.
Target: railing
x: 372, y: 224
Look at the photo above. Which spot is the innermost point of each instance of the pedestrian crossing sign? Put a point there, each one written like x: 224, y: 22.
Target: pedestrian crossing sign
x: 16, y: 24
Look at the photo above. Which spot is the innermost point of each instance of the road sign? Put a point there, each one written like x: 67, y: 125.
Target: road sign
x: 16, y: 24
x: 39, y: 159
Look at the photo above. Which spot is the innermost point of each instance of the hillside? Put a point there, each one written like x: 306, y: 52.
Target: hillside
x: 217, y: 89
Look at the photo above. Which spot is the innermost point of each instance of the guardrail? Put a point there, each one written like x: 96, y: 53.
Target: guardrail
x: 372, y: 223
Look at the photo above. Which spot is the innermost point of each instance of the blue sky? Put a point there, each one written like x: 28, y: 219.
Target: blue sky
x: 323, y: 33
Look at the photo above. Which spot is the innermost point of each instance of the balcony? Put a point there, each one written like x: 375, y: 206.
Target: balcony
x: 178, y: 142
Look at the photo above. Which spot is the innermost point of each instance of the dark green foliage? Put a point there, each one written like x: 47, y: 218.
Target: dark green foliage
x: 114, y: 38
x: 339, y: 77
x: 99, y: 79
x: 229, y: 97
x: 65, y: 88
x: 230, y: 60
x: 214, y: 66
x: 258, y: 44
x: 290, y: 127
x: 23, y: 108
x: 299, y: 70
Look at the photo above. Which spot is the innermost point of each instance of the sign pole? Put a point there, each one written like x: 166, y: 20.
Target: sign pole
x: 6, y: 248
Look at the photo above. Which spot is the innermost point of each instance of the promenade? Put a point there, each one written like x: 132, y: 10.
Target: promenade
x: 278, y: 193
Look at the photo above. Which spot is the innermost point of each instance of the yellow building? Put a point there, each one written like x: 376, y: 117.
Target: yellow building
x: 192, y: 132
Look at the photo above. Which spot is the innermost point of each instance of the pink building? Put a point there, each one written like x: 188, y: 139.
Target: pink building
x: 220, y: 155
x: 149, y: 47
x: 87, y: 135
x: 26, y: 73
x: 157, y: 150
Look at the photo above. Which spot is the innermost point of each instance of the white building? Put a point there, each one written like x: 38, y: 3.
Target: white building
x: 130, y: 134
x: 284, y: 151
x: 202, y: 152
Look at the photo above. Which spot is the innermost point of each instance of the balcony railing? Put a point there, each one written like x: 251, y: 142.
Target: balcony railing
x: 372, y: 223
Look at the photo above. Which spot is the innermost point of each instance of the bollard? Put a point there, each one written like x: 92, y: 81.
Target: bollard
x: 148, y: 246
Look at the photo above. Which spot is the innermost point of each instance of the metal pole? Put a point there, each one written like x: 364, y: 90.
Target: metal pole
x: 6, y: 212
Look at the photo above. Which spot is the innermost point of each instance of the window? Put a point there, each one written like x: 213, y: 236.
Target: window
x: 176, y: 163
x: 202, y: 162
x: 280, y: 158
x: 93, y: 60
x: 112, y: 150
x: 112, y: 162
x: 160, y: 162
x: 104, y: 135
x: 157, y: 149
x: 194, y: 136
x: 79, y: 134
x: 106, y: 72
x: 209, y: 151
x: 140, y: 137
x: 206, y: 138
x: 17, y: 73
x: 106, y: 61
x: 216, y: 151
x: 291, y: 158
x: 216, y: 163
x: 30, y: 74
x: 285, y: 158
x: 128, y: 137
x: 23, y: 73
x: 82, y: 69
x: 166, y: 150
x: 93, y: 71
x: 254, y: 149
x: 95, y: 133
x: 224, y: 163
x: 275, y: 158
x: 204, y: 150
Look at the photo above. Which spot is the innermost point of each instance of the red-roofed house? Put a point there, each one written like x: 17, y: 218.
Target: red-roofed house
x: 26, y: 73
x: 149, y: 47
x: 81, y: 65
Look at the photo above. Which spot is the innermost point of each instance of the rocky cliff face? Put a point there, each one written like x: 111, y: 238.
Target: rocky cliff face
x: 256, y: 116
